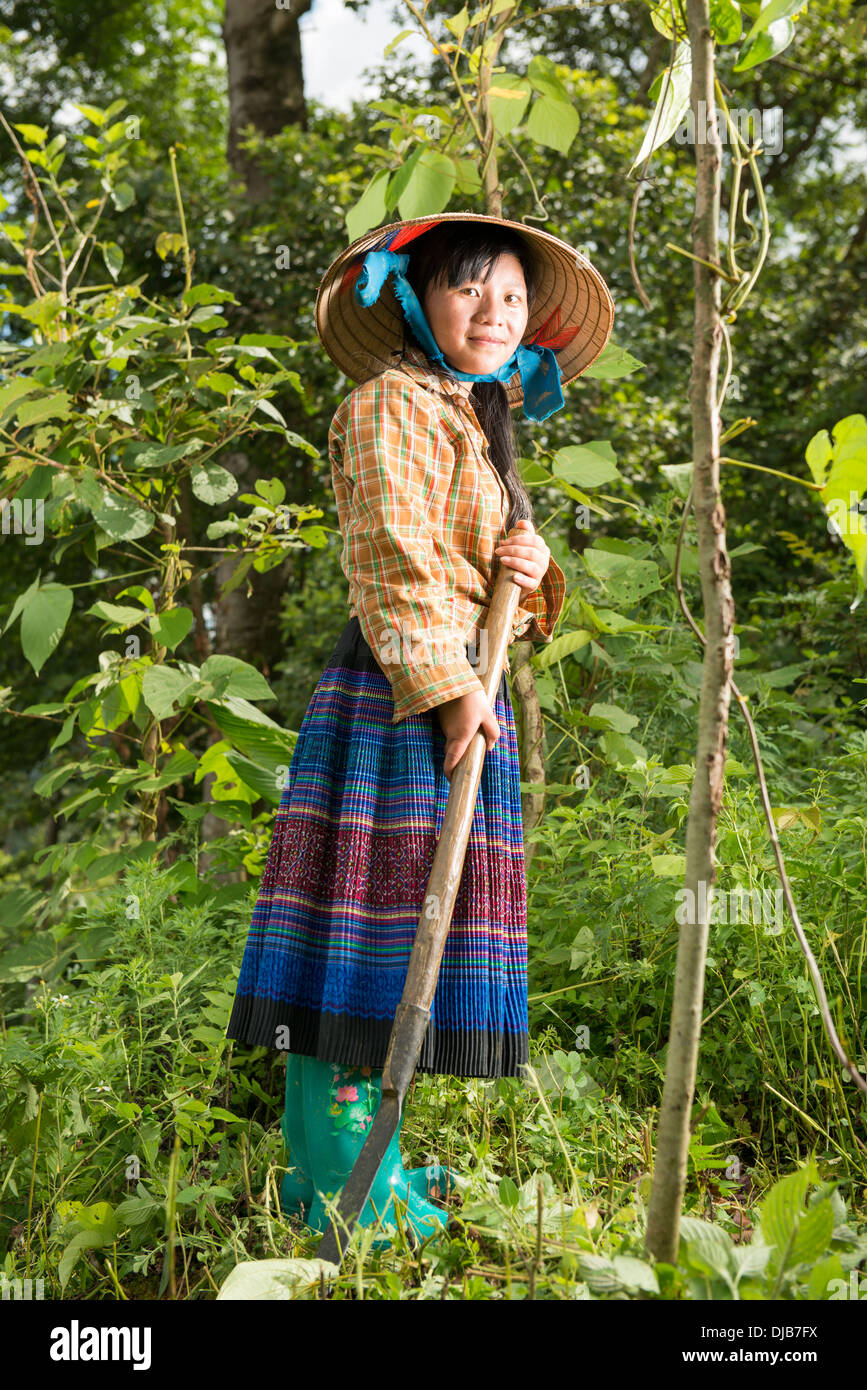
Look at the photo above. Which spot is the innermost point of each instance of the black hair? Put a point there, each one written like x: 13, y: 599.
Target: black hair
x: 454, y: 252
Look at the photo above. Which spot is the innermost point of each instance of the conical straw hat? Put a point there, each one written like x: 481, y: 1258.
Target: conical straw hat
x: 573, y: 312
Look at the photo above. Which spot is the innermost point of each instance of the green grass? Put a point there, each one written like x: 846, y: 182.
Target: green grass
x: 142, y: 1153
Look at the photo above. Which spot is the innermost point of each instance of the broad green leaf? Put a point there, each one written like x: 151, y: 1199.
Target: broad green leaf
x: 468, y: 183
x: 668, y: 865
x: 598, y: 1272
x: 459, y: 23
x: 764, y: 45
x: 542, y: 74
x: 122, y: 195
x: 508, y: 98
x: 661, y: 17
x: 370, y: 209
x: 688, y: 557
x: 821, y: 1276
x: 271, y: 489
x: 613, y: 716
x: 842, y: 469
x: 113, y: 257
x: 207, y: 319
x: 266, y: 340
x: 212, y: 483
x: 627, y: 579
x: 120, y: 518
x: 53, y: 407
x: 120, y: 615
x: 43, y: 622
x: 220, y: 382
x: 269, y: 408
x: 622, y: 750
x: 99, y: 1217
x: 586, y: 465
x: 35, y: 957
x: 819, y: 454
x: 508, y: 1192
x: 139, y: 1210
x: 304, y: 445
x: 613, y: 362
x: 635, y: 1274
x: 429, y: 186
x: 390, y: 47
x: 751, y: 1260
x: 400, y: 178
x: 252, y: 732
x: 35, y: 134
x: 709, y: 1248
x: 534, y: 473
x: 207, y: 294
x: 726, y: 20
x: 769, y: 14
x: 15, y: 389
x: 553, y: 123
x: 169, y: 628
x: 783, y: 1209
x: 82, y: 1241
x: 163, y: 687
x: 93, y: 113
x: 561, y: 647
x: 610, y: 621
x: 148, y: 453
x: 236, y: 678
x: 672, y: 105
x: 260, y: 1280
x: 679, y: 475
x: 259, y: 779
x: 227, y: 784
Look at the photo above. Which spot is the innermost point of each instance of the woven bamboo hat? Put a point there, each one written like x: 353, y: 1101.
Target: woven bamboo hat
x: 573, y: 312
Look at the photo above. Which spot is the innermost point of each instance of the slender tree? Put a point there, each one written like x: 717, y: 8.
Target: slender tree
x: 672, y: 1144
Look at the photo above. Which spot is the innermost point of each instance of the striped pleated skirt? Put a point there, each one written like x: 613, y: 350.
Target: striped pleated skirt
x: 346, y: 875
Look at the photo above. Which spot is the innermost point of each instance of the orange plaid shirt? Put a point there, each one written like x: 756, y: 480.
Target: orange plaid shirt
x: 421, y: 508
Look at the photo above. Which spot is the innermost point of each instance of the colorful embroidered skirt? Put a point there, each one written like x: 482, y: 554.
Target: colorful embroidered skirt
x: 345, y: 879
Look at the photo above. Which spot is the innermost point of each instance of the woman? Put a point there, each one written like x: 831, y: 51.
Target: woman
x: 446, y: 323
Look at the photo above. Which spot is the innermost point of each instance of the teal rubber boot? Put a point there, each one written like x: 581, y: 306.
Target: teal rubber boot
x: 339, y: 1106
x: 296, y: 1189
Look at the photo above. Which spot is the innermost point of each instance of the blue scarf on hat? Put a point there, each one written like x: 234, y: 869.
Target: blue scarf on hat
x: 540, y: 371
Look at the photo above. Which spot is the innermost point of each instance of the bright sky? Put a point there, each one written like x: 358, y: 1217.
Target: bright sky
x: 337, y: 46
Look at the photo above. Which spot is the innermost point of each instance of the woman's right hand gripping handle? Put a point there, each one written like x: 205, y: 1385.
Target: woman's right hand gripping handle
x: 460, y: 719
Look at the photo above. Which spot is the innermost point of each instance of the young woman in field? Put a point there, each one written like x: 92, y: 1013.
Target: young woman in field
x: 447, y: 323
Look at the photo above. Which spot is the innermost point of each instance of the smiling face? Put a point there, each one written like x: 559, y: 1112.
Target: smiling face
x: 479, y: 323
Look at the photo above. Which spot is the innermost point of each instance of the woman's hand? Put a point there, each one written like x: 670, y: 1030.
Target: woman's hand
x: 460, y: 719
x: 527, y: 554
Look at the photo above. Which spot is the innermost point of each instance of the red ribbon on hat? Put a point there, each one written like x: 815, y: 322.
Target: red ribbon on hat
x: 388, y: 243
x: 557, y: 338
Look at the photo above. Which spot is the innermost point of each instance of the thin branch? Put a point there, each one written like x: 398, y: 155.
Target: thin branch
x: 812, y: 966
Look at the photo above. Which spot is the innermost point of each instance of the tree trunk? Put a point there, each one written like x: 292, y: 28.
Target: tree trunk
x: 266, y: 91
x: 266, y: 81
x: 669, y: 1173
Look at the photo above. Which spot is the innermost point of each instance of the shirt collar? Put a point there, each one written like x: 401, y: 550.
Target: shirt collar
x: 419, y: 366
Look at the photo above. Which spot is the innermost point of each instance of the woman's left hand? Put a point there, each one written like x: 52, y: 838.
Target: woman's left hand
x: 527, y: 554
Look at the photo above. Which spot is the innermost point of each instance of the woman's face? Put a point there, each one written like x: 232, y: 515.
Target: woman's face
x: 479, y: 324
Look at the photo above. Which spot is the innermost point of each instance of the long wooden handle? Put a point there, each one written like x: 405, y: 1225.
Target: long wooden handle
x: 413, y: 1012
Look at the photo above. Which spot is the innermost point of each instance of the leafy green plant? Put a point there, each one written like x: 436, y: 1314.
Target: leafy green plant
x: 115, y: 410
